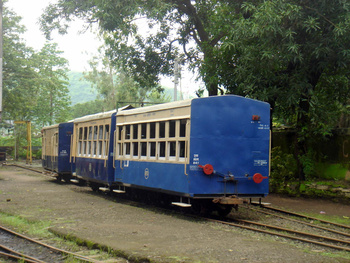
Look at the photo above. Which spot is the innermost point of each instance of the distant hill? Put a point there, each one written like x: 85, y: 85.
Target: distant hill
x: 80, y: 90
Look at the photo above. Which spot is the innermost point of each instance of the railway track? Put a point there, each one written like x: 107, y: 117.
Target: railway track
x: 339, y: 239
x: 25, y: 167
x: 338, y: 243
x: 16, y: 246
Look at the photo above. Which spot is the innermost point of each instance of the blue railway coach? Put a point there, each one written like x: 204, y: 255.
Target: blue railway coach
x: 92, y: 148
x: 56, y: 140
x: 204, y: 150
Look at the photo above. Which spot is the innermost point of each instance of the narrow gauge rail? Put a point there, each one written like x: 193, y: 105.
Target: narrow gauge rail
x: 325, y: 241
x: 320, y: 243
x: 303, y: 216
x: 308, y: 224
x: 26, y: 168
x: 52, y: 251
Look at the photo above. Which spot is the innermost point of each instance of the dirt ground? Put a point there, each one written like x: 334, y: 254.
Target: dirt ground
x: 147, y: 233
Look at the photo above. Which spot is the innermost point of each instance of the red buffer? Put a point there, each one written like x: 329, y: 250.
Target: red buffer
x: 208, y: 169
x: 258, y: 178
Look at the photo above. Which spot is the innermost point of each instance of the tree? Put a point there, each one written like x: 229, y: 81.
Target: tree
x: 87, y: 108
x: 116, y: 88
x: 295, y: 55
x: 33, y: 82
x: 53, y: 96
x: 19, y: 76
x: 188, y: 29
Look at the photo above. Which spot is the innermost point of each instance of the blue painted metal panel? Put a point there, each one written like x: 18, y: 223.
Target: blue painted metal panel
x: 224, y: 135
x: 50, y: 162
x: 92, y: 169
x: 159, y: 176
x: 65, y: 131
x: 98, y: 170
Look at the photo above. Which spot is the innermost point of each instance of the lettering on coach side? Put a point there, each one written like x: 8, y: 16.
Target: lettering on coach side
x: 260, y: 162
x: 63, y: 153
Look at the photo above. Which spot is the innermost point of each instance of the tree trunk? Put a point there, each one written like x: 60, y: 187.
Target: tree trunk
x: 212, y: 89
x: 300, y: 144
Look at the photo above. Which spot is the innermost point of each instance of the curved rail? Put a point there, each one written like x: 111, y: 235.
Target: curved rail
x: 284, y: 235
x: 304, y: 216
x: 307, y: 224
x: 18, y: 258
x: 77, y: 256
x: 25, y: 167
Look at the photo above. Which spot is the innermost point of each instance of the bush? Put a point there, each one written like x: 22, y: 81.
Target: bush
x: 283, y: 170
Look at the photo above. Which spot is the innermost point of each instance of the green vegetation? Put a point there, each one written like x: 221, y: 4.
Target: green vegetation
x: 331, y: 171
x: 80, y: 90
x: 324, y: 180
x: 292, y: 54
x: 37, y: 229
x: 34, y: 82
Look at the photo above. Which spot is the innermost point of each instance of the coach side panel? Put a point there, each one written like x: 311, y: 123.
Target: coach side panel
x: 50, y: 148
x: 93, y: 150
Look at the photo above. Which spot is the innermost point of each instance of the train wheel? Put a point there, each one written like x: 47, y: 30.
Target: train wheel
x: 224, y: 210
x: 59, y: 178
x: 66, y: 179
x: 201, y: 208
x: 94, y: 187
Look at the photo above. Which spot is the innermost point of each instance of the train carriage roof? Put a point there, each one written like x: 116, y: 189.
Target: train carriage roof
x: 158, y: 107
x: 55, y: 125
x: 101, y: 115
x: 50, y: 127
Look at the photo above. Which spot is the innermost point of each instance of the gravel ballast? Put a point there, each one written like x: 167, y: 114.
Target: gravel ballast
x: 138, y: 232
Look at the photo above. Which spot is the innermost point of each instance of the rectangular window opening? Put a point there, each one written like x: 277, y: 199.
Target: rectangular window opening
x: 85, y: 133
x: 152, y: 132
x: 162, y: 129
x: 90, y: 133
x: 127, y: 149
x: 100, y: 132
x: 80, y: 133
x: 152, y: 149
x: 135, y: 149
x: 183, y: 128
x: 95, y: 132
x: 172, y: 150
x: 144, y: 131
x: 127, y: 132
x: 172, y: 125
x: 120, y: 128
x: 182, y: 149
x: 99, y: 148
x: 143, y: 149
x: 135, y: 131
x: 161, y: 149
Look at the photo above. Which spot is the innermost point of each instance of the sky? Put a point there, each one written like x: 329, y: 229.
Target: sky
x: 78, y: 47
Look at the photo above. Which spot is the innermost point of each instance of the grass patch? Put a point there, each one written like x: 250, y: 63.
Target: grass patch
x: 333, y: 219
x: 331, y: 171
x: 40, y: 229
x: 31, y: 228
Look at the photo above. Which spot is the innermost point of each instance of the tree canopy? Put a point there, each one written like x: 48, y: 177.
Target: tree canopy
x: 33, y: 81
x: 189, y: 30
x: 294, y: 54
